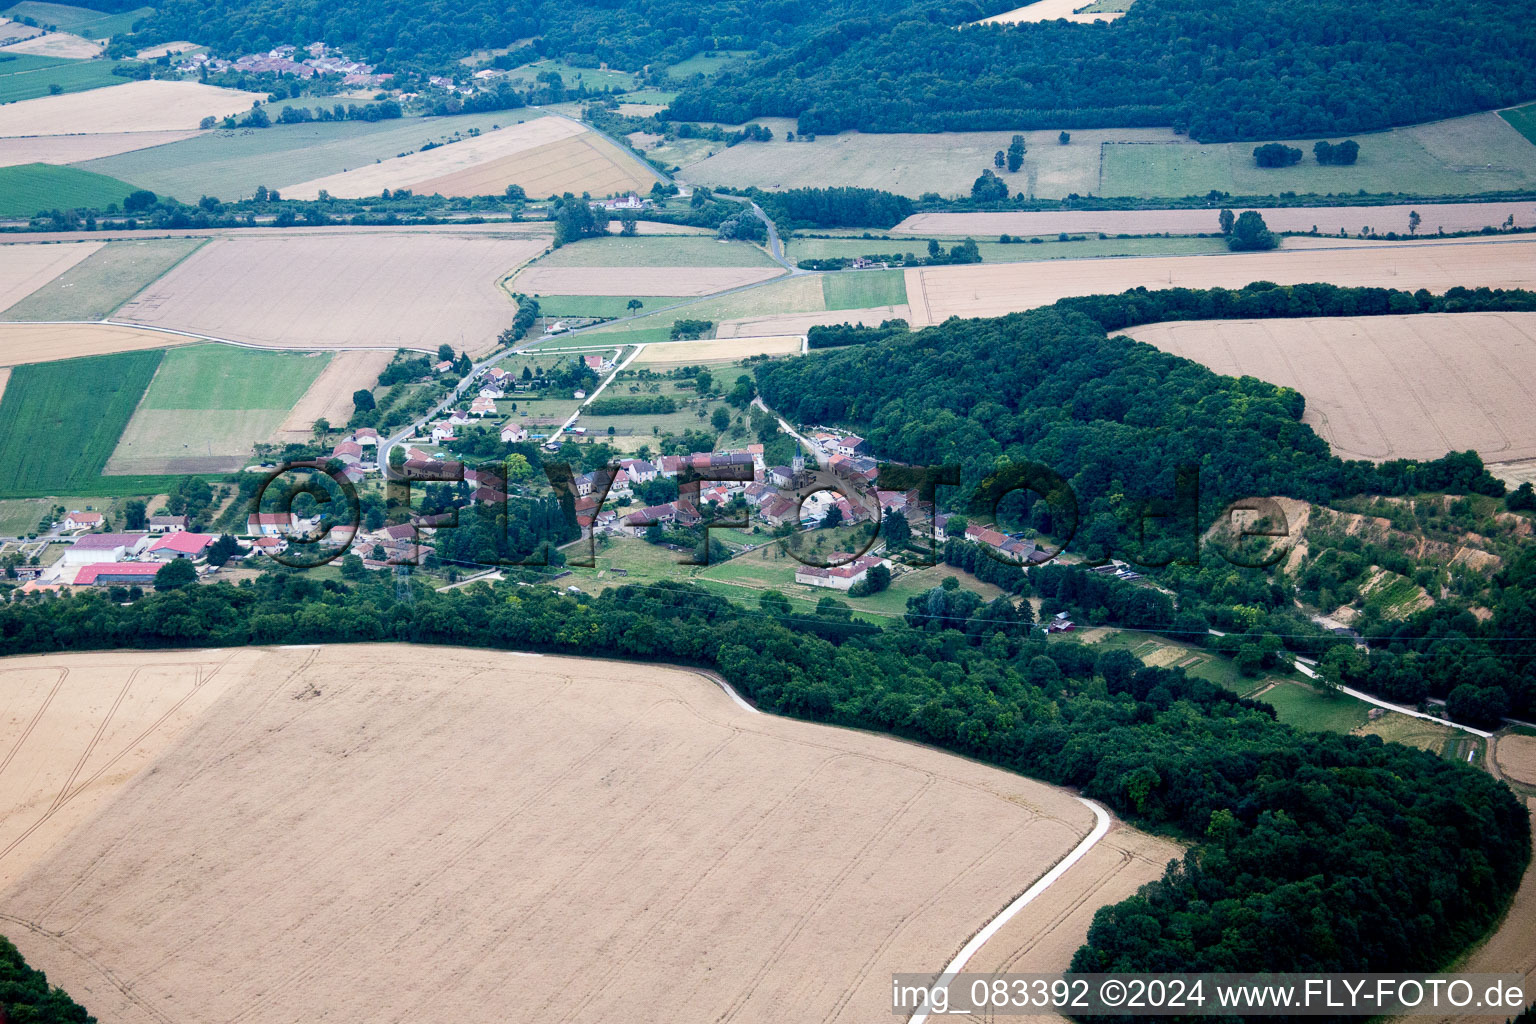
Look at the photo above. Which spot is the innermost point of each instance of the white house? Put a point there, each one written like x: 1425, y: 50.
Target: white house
x: 511, y: 432
x: 82, y: 520
x: 168, y: 524
x: 841, y: 577
x: 270, y: 524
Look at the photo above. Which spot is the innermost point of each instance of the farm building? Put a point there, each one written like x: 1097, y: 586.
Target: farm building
x: 102, y: 574
x: 182, y: 544
x: 168, y: 524
x: 104, y: 547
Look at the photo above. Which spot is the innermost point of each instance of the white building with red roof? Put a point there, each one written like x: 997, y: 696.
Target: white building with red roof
x: 839, y: 577
x: 182, y: 544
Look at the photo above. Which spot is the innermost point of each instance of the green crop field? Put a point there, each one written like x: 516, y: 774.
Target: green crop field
x: 29, y: 188
x: 1465, y: 155
x: 1462, y: 156
x: 600, y: 305
x: 570, y: 75
x: 60, y: 421
x: 209, y: 405
x: 82, y: 21
x: 232, y: 164
x: 700, y: 64
x: 97, y: 285
x: 657, y: 251
x: 860, y: 289
x: 1301, y: 705
x: 26, y: 76
x: 1523, y: 119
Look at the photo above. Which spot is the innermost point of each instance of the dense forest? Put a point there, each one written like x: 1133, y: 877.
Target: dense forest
x: 1248, y: 69
x: 626, y: 35
x: 1381, y: 857
x: 27, y: 998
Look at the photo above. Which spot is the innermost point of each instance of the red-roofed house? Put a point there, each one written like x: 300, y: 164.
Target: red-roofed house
x: 82, y: 520
x: 511, y: 432
x: 841, y: 577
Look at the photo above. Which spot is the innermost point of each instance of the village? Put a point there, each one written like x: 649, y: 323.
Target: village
x: 829, y: 485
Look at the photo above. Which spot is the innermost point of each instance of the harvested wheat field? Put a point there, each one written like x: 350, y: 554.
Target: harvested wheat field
x: 1050, y: 929
x: 26, y: 268
x: 330, y: 396
x: 1509, y: 950
x: 545, y: 156
x: 1516, y: 757
x: 387, y: 833
x: 1327, y: 219
x: 75, y: 729
x: 68, y: 149
x: 751, y: 327
x: 937, y: 293
x: 540, y: 280
x: 341, y: 289
x: 166, y: 49
x: 147, y: 106
x: 1389, y: 387
x: 43, y: 343
x: 686, y: 353
x: 58, y: 44
x: 1049, y: 10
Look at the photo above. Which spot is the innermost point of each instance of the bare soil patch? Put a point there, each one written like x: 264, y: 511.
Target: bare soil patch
x: 546, y: 155
x: 26, y: 268
x: 1516, y: 757
x: 937, y: 293
x: 330, y: 396
x: 750, y: 327
x: 378, y: 833
x: 43, y: 343
x: 1386, y: 387
x: 540, y: 280
x: 148, y: 106
x: 341, y: 290
x: 686, y: 353
x: 68, y: 149
x: 1049, y: 10
x: 75, y: 729
x: 58, y: 44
